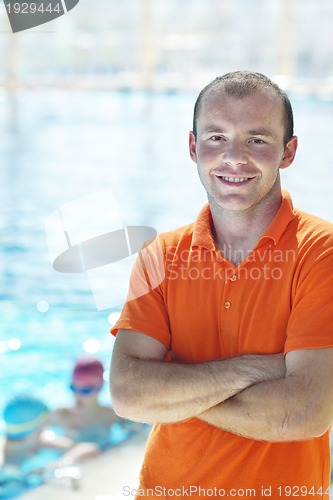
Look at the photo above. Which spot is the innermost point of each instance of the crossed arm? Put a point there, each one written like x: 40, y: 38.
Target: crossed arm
x: 263, y: 397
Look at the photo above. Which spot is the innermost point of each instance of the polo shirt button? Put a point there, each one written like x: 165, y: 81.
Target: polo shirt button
x: 227, y: 304
x: 233, y: 278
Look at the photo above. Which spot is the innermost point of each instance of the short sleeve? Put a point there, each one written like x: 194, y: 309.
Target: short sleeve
x: 144, y: 309
x: 310, y: 324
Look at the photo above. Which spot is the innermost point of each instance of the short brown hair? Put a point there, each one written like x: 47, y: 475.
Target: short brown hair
x: 241, y: 84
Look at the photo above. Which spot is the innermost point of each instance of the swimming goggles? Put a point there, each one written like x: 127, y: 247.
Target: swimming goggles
x: 85, y: 391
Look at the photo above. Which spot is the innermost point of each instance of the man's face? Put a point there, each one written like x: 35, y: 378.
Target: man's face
x: 240, y: 148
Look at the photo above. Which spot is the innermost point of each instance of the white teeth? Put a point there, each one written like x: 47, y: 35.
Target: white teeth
x: 235, y: 179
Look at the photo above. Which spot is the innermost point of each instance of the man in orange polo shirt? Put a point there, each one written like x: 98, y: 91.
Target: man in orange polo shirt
x: 225, y: 341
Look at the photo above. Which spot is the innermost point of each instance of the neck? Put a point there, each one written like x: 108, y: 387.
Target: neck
x: 236, y: 233
x: 90, y: 408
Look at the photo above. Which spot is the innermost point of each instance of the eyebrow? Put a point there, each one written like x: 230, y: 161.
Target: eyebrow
x: 264, y: 132
x: 211, y: 129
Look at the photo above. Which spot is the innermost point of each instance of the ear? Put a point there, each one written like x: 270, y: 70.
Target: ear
x: 193, y: 147
x: 289, y: 152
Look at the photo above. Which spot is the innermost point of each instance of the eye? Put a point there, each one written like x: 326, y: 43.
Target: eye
x: 216, y: 138
x: 257, y: 141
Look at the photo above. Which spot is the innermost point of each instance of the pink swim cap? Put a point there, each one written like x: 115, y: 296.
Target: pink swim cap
x: 88, y: 371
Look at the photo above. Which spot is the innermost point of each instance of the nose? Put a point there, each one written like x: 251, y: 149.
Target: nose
x: 234, y: 154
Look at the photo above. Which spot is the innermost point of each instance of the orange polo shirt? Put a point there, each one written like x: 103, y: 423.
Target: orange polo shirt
x: 186, y: 295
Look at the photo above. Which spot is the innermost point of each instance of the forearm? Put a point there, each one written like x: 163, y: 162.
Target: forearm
x: 276, y: 411
x: 77, y: 454
x: 50, y: 439
x: 158, y: 391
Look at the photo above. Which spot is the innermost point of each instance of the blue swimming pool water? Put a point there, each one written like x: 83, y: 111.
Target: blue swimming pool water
x: 59, y: 146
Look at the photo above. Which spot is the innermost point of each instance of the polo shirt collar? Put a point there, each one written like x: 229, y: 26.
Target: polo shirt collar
x: 284, y: 215
x: 202, y: 233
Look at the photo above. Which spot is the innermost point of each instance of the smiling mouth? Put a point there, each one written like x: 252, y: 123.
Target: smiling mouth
x: 235, y: 180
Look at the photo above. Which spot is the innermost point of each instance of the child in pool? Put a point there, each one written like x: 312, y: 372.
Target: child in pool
x: 30, y: 453
x: 23, y: 460
x: 29, y: 445
x: 88, y: 421
x: 24, y: 418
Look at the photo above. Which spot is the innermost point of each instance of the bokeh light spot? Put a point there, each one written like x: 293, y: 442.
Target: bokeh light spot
x: 91, y: 346
x: 14, y: 344
x: 42, y: 306
x: 113, y: 317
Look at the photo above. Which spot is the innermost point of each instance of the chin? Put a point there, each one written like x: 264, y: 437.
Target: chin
x: 232, y: 205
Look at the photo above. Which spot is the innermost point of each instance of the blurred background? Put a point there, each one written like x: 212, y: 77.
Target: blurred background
x: 101, y: 99
x: 173, y: 45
